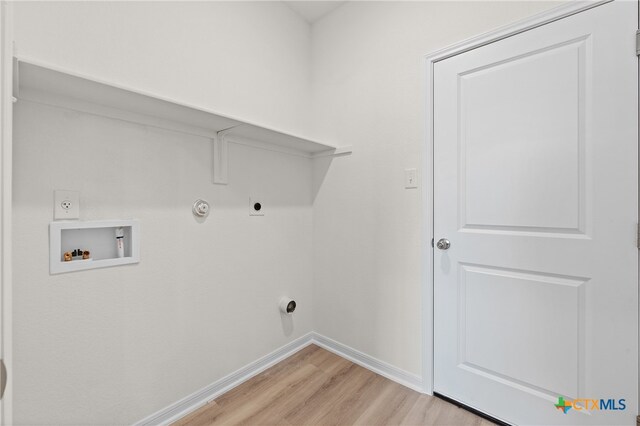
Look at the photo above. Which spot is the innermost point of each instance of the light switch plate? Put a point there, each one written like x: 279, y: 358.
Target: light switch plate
x: 410, y: 178
x: 66, y: 205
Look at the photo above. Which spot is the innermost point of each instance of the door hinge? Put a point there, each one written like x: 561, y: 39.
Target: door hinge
x: 637, y: 42
x: 638, y: 235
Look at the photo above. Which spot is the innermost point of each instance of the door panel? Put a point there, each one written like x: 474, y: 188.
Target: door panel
x: 524, y: 340
x: 536, y: 187
x: 520, y: 89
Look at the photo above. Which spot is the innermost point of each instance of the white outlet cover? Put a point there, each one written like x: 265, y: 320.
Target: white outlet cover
x: 61, y: 197
x: 252, y: 209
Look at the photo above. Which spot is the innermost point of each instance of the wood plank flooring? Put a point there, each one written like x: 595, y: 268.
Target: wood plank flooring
x: 316, y: 387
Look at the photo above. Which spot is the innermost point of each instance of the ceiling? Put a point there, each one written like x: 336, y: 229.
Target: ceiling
x: 311, y: 11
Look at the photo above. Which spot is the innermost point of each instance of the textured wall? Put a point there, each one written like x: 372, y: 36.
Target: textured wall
x: 369, y: 92
x: 245, y: 59
x: 111, y: 346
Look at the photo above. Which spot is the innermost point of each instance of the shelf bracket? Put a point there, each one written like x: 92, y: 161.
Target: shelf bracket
x: 16, y: 81
x: 221, y: 157
x: 336, y: 152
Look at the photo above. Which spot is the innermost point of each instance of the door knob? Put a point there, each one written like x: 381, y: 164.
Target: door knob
x: 443, y: 244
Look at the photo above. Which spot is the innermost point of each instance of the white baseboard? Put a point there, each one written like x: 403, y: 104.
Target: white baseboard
x: 181, y: 408
x: 186, y: 405
x: 382, y: 368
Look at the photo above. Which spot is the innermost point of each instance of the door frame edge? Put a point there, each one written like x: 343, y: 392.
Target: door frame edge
x: 427, y: 232
x: 6, y: 204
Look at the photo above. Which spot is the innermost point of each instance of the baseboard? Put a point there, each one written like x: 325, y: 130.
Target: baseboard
x: 382, y: 368
x: 197, y: 399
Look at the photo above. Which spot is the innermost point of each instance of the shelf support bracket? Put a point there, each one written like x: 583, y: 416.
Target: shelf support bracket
x: 221, y: 157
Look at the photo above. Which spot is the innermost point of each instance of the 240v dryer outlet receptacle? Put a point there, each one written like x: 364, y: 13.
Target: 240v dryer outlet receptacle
x: 66, y: 205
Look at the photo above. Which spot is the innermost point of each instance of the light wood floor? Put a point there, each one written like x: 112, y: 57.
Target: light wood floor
x: 316, y: 387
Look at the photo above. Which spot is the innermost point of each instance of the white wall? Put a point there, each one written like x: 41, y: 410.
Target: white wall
x: 115, y: 345
x: 369, y: 92
x: 112, y: 346
x: 245, y: 59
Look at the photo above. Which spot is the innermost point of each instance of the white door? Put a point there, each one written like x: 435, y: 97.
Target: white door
x: 536, y: 188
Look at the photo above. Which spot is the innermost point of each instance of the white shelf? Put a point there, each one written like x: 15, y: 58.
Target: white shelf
x: 98, y: 237
x: 43, y: 83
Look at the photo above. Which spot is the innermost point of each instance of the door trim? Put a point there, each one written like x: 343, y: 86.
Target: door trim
x: 427, y: 232
x: 6, y: 161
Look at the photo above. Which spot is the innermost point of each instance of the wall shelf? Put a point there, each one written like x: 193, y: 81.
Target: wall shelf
x: 97, y: 237
x: 42, y: 83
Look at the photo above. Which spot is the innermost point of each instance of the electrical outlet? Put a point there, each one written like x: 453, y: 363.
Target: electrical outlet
x: 66, y: 205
